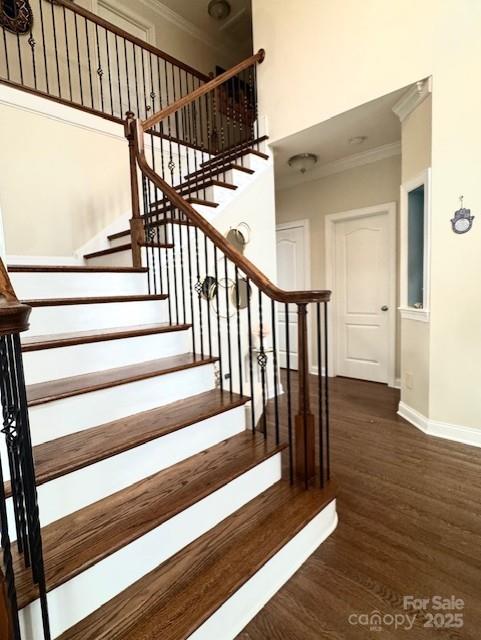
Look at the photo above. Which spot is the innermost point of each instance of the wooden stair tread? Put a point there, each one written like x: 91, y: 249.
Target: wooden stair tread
x: 236, y: 152
x: 174, y: 599
x: 202, y: 173
x: 78, y: 450
x: 190, y: 187
x: 191, y: 200
x: 62, y: 268
x: 43, y: 392
x: 80, y: 540
x: 52, y: 341
x: 152, y: 223
x: 58, y: 302
x: 126, y: 247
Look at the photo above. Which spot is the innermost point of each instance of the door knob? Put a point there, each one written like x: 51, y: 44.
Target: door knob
x: 384, y: 307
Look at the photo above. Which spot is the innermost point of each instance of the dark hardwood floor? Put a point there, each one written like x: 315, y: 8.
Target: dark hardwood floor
x: 409, y: 525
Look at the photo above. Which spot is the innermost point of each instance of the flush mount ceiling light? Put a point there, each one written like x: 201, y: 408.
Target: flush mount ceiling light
x: 302, y: 162
x: 219, y: 9
x: 357, y: 139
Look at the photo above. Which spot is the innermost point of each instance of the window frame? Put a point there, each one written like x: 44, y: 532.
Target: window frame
x: 409, y: 312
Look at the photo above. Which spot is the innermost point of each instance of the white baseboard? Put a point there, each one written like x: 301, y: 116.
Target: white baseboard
x: 314, y: 371
x: 229, y: 620
x: 397, y: 383
x: 465, y: 435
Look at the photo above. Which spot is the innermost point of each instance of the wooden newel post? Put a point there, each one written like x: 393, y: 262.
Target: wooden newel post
x: 305, y: 454
x: 136, y: 223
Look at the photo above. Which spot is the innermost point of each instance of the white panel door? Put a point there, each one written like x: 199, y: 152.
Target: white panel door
x: 291, y: 260
x: 362, y: 296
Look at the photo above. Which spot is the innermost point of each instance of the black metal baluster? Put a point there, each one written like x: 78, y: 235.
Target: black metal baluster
x: 174, y: 264
x: 262, y: 361
x: 276, y: 371
x: 100, y: 71
x: 127, y: 76
x: 42, y: 29
x: 171, y: 164
x: 161, y: 124
x: 20, y: 64
x: 54, y: 29
x: 5, y: 46
x: 227, y: 316
x: 180, y: 227
x: 191, y: 286
x: 198, y: 288
x: 320, y: 394
x: 219, y: 333
x: 209, y: 327
x: 78, y: 58
x: 326, y: 395
x: 109, y: 72
x: 31, y: 41
x: 121, y: 114
x: 136, y: 80
x: 89, y: 63
x: 289, y: 397
x: 251, y: 353
x: 239, y: 340
x: 67, y: 52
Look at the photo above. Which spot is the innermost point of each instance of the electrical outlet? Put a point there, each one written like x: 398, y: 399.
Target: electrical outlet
x: 408, y: 378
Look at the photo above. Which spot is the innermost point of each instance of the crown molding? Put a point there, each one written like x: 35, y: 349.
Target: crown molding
x: 187, y: 26
x: 344, y: 164
x: 412, y: 98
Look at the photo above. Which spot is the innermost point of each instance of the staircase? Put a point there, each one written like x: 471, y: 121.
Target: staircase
x: 180, y: 478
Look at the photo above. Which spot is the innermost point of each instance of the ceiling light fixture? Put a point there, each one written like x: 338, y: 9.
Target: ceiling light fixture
x: 357, y: 139
x: 219, y: 9
x: 302, y: 162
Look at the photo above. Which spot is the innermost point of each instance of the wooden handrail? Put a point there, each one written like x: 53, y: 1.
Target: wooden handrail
x: 68, y: 4
x: 205, y: 88
x: 13, y: 314
x: 136, y: 130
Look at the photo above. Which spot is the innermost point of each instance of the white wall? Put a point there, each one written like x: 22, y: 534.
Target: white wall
x: 324, y: 58
x: 416, y: 132
x: 60, y: 184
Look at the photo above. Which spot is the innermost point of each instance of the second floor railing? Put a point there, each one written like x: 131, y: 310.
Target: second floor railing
x: 68, y: 54
x: 73, y: 56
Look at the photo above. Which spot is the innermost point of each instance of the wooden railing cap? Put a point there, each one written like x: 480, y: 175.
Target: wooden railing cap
x: 14, y: 315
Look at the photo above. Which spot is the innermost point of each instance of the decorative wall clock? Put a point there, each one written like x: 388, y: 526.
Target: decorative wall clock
x: 16, y: 16
x: 463, y: 220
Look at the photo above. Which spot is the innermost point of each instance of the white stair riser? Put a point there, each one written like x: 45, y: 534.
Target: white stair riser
x: 52, y: 420
x: 252, y: 161
x: 117, y: 259
x: 229, y: 620
x: 118, y: 242
x: 69, y: 285
x: 106, y: 315
x: 85, y: 593
x: 62, y: 362
x: 78, y: 489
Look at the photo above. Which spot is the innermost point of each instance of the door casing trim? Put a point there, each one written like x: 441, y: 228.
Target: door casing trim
x: 389, y: 208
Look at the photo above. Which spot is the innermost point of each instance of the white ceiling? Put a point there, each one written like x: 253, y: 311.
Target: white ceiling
x: 329, y: 140
x: 236, y: 29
